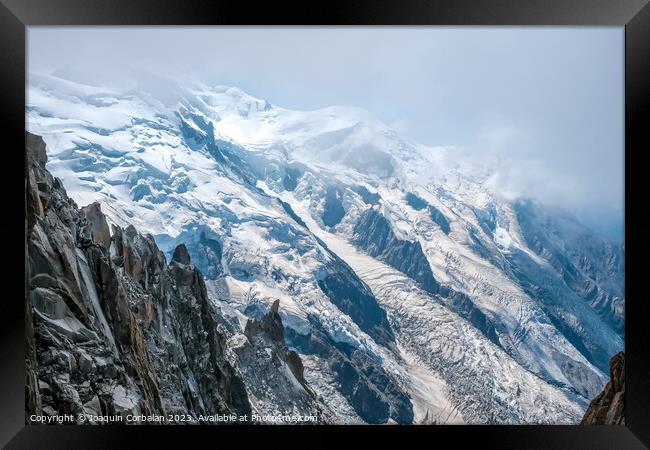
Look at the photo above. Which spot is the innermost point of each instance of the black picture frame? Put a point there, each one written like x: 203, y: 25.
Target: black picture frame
x: 16, y: 15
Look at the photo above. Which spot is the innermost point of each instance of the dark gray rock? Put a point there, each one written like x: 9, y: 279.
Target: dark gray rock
x: 181, y: 255
x: 274, y: 374
x: 419, y: 204
x: 85, y: 362
x: 440, y: 219
x: 133, y: 337
x: 369, y: 198
x: 290, y: 178
x: 36, y: 149
x: 608, y: 408
x: 373, y: 233
x: 415, y: 201
x: 372, y: 392
x: 97, y: 224
x: 354, y: 298
x: 333, y: 211
x: 591, y: 267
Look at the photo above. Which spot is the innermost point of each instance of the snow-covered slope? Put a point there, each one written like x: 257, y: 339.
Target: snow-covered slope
x: 410, y: 290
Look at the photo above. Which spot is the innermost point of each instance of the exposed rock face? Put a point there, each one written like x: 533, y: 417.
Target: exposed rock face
x: 609, y: 407
x: 372, y: 391
x: 590, y: 267
x: 440, y: 219
x: 333, y: 210
x: 273, y: 374
x: 111, y: 328
x: 373, y: 233
x: 369, y: 198
x: 181, y: 255
x: 99, y: 230
x: 290, y: 179
x: 354, y: 298
x: 411, y: 311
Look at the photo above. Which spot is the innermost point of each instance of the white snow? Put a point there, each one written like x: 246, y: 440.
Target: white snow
x: 126, y: 150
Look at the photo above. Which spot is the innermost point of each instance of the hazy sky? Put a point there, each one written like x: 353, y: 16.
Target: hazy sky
x: 547, y: 101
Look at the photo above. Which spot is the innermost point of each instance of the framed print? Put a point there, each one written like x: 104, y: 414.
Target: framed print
x: 307, y: 224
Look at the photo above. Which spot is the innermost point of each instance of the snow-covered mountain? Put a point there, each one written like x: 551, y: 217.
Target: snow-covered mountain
x: 409, y: 289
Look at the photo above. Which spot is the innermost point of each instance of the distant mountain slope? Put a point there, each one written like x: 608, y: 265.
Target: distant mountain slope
x: 408, y: 288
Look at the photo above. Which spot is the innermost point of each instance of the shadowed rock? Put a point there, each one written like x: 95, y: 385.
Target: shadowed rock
x: 263, y: 352
x: 181, y: 255
x: 36, y: 148
x: 97, y: 224
x: 608, y: 408
x: 110, y: 327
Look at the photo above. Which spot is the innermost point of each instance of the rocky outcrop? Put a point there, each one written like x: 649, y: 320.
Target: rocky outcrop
x: 333, y: 210
x: 371, y: 390
x: 440, y: 219
x: 590, y: 266
x: 290, y: 178
x: 111, y: 328
x: 354, y: 298
x: 274, y: 374
x: 181, y: 255
x: 608, y: 408
x: 419, y: 204
x: 369, y: 198
x: 99, y: 231
x: 373, y: 234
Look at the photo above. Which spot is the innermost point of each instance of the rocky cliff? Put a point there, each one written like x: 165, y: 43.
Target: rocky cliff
x: 608, y: 408
x: 113, y: 329
x: 273, y: 373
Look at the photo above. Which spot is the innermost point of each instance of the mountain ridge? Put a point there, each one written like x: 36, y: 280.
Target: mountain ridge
x: 115, y: 330
x: 282, y: 194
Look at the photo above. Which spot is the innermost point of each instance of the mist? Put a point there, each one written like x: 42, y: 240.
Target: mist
x: 545, y: 102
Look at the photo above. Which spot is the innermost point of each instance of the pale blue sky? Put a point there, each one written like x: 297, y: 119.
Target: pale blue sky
x: 548, y: 95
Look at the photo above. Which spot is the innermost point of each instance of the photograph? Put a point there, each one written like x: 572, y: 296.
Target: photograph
x: 286, y: 225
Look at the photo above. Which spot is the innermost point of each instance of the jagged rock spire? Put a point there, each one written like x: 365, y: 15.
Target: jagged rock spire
x: 181, y: 255
x: 97, y: 223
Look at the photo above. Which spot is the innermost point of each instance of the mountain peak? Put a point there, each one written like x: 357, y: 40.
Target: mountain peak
x: 310, y: 209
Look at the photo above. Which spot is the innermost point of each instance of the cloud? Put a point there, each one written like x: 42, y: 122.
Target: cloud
x: 400, y: 126
x: 518, y: 169
x: 547, y: 103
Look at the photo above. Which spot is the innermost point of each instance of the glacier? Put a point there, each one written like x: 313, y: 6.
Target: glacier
x: 411, y: 291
